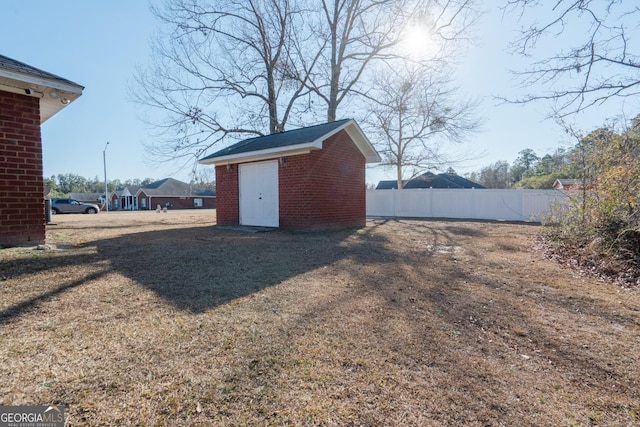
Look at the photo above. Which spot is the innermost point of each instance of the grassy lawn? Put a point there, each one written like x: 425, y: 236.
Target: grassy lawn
x: 164, y: 319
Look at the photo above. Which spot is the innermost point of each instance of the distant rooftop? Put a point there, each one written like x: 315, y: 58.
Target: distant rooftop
x: 431, y: 180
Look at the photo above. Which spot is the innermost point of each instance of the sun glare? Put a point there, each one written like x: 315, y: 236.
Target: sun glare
x: 417, y: 42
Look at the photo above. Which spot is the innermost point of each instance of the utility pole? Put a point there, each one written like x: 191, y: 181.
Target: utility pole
x: 104, y: 161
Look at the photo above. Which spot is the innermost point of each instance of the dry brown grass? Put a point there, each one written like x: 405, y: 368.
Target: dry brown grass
x: 164, y: 319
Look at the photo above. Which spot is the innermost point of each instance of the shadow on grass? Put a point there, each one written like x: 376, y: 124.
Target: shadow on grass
x: 193, y: 268
x: 28, y: 304
x: 16, y: 278
x: 419, y: 319
x: 200, y: 268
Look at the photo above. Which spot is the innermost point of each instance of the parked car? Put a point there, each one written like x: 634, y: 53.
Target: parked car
x: 59, y: 206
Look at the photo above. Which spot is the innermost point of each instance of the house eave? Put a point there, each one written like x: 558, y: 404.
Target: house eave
x: 359, y: 139
x: 260, y: 155
x: 54, y: 95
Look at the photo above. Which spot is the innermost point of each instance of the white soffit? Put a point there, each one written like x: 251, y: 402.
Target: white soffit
x: 54, y: 95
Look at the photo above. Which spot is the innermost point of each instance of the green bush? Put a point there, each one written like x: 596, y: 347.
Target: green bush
x: 600, y: 227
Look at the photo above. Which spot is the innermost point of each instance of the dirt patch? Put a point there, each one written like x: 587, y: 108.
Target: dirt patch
x: 165, y: 319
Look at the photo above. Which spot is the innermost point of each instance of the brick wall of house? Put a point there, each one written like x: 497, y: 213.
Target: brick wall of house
x: 176, y: 202
x: 325, y: 188
x: 227, y: 201
x: 22, y: 219
x: 113, y: 205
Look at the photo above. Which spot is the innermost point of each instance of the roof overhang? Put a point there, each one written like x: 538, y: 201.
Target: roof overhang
x: 351, y: 127
x: 54, y: 95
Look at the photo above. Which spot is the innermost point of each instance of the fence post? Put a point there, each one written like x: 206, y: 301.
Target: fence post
x: 394, y: 200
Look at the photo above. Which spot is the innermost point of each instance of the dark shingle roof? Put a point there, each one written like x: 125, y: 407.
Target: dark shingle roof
x: 431, y: 180
x: 22, y: 68
x: 173, y: 187
x: 277, y: 140
x: 462, y: 182
x: 387, y: 185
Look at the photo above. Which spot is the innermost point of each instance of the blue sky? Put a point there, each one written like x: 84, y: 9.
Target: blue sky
x: 99, y: 44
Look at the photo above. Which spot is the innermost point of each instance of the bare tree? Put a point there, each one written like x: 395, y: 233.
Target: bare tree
x: 603, y: 64
x: 354, y: 36
x: 220, y: 69
x: 205, y: 178
x: 414, y: 114
x: 225, y: 69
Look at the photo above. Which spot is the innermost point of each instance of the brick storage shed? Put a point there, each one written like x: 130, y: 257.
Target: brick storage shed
x: 311, y: 178
x: 28, y: 97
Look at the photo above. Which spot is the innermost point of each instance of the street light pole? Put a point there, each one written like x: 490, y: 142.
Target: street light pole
x: 104, y: 161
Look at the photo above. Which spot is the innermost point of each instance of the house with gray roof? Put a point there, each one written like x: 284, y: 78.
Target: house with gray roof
x: 167, y: 193
x: 431, y: 180
x: 174, y: 194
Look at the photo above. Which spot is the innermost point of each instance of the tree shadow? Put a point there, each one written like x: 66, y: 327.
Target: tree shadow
x: 193, y: 269
x: 199, y: 268
x: 398, y: 304
x: 491, y: 325
x: 17, y: 276
x: 196, y: 269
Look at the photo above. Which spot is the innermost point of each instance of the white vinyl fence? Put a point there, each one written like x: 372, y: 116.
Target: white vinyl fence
x: 507, y: 205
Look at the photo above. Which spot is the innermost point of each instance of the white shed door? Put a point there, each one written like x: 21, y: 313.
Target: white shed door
x: 258, y: 194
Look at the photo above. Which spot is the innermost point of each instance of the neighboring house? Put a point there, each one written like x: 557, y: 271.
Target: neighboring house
x: 431, y: 180
x: 304, y: 179
x: 168, y: 192
x: 175, y: 194
x: 572, y: 184
x: 461, y: 181
x: 124, y: 199
x: 95, y: 198
x: 28, y: 97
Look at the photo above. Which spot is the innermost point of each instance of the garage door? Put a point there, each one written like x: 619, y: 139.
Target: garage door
x: 258, y: 185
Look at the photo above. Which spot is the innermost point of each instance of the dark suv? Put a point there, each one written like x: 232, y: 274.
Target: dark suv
x: 59, y: 206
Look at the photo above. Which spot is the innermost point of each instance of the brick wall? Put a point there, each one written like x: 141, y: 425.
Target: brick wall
x: 324, y: 189
x: 22, y: 219
x: 339, y: 183
x: 175, y: 202
x: 295, y: 192
x: 227, y: 201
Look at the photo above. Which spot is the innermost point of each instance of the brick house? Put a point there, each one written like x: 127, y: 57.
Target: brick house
x: 573, y: 184
x: 28, y: 97
x: 168, y: 192
x: 124, y: 199
x: 175, y: 194
x: 311, y: 178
